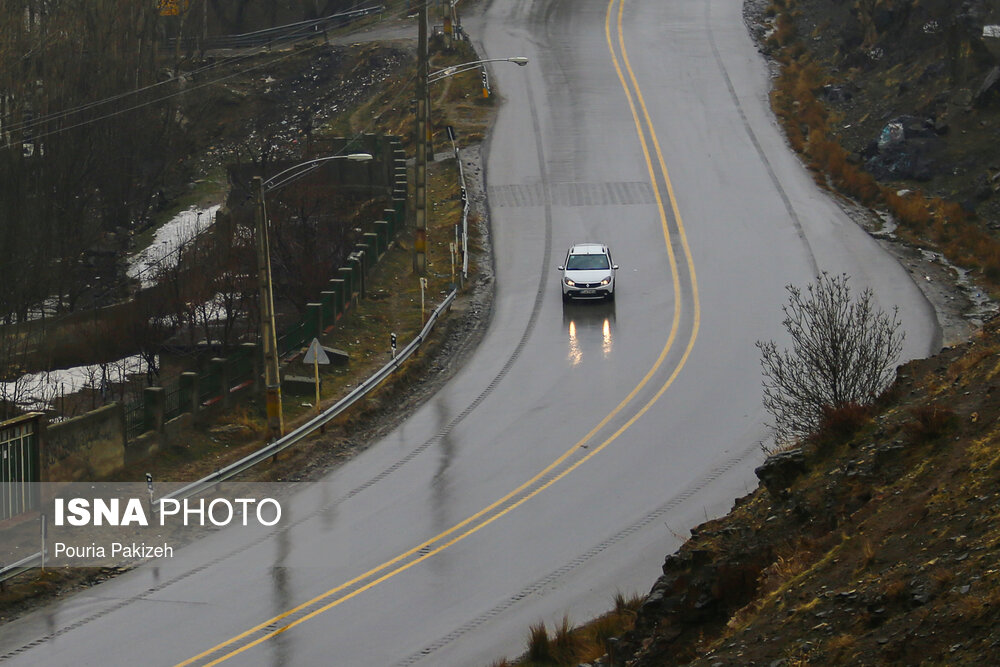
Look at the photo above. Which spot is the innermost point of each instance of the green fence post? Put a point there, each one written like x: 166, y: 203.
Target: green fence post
x: 347, y: 275
x: 252, y: 352
x: 153, y: 407
x: 314, y: 320
x: 389, y: 215
x: 376, y: 248
x: 219, y: 369
x: 328, y: 309
x: 366, y: 255
x: 356, y: 261
x: 339, y: 290
x: 382, y: 231
x: 399, y: 205
x: 188, y: 398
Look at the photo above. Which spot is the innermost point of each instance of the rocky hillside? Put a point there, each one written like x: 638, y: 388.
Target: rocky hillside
x: 914, y: 89
x: 874, y: 541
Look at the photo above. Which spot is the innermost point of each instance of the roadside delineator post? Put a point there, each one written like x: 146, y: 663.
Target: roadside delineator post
x: 423, y: 288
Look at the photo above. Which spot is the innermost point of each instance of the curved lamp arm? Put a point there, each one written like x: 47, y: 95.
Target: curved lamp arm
x: 295, y: 171
x: 465, y: 67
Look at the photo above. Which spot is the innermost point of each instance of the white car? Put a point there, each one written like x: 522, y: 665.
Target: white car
x: 588, y: 272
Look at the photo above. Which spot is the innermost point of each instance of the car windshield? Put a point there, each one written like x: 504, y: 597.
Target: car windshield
x: 587, y: 262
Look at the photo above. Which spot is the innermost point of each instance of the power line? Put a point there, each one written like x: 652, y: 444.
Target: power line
x: 301, y: 35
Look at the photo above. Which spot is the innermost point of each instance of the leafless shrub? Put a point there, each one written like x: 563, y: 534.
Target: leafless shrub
x: 843, y: 353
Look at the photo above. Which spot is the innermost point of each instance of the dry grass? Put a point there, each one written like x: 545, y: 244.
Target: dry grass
x: 979, y: 605
x: 539, y: 644
x: 570, y: 646
x: 785, y: 568
x: 774, y: 580
x: 894, y: 587
x: 930, y: 422
x: 564, y: 645
x: 248, y: 420
x: 942, y: 576
x: 868, y: 553
x: 840, y: 424
x: 984, y: 351
x: 924, y: 220
x: 838, y: 645
x: 785, y: 31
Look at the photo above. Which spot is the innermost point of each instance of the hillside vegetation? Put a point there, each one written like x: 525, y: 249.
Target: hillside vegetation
x: 872, y: 541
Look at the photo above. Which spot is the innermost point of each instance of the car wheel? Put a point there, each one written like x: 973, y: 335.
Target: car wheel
x: 611, y: 296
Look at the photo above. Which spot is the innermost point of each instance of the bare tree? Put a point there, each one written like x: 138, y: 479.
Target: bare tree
x: 843, y: 353
x: 84, y: 139
x: 16, y: 385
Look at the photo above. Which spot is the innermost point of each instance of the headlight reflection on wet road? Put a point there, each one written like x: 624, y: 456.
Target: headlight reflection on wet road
x: 578, y: 340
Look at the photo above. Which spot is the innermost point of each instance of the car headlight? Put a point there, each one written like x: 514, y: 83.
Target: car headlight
x: 606, y: 281
x: 570, y: 282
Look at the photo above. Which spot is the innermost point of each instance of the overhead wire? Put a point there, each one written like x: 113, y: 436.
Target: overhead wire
x: 292, y: 38
x: 303, y: 33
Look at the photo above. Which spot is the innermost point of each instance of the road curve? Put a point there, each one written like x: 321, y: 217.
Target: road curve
x: 579, y: 443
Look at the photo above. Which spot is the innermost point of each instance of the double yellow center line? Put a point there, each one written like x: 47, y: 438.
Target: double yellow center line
x: 576, y: 455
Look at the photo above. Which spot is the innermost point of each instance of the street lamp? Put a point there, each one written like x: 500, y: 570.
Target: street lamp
x: 303, y: 168
x: 465, y: 67
x: 269, y: 340
x: 424, y: 78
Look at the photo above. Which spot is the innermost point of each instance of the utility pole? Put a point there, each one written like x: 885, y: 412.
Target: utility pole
x: 447, y: 9
x: 272, y: 377
x: 420, y: 177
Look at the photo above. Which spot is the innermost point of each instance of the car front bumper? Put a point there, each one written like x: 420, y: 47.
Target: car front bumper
x: 587, y: 292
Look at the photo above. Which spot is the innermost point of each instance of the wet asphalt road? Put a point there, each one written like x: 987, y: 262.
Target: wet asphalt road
x: 579, y: 443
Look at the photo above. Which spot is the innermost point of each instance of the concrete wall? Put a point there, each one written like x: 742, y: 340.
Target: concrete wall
x: 85, y: 447
x: 151, y: 442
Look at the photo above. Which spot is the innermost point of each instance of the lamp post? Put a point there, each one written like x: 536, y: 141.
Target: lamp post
x: 420, y: 161
x: 424, y: 78
x: 268, y: 334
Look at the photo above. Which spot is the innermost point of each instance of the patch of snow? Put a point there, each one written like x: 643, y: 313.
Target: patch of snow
x: 162, y: 252
x: 983, y: 307
x: 888, y: 228
x: 38, y: 391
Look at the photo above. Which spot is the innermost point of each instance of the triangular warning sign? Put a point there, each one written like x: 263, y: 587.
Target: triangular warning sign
x: 316, y: 354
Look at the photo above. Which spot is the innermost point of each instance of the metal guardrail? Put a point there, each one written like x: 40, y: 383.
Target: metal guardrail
x: 286, y: 441
x: 315, y: 423
x: 23, y: 565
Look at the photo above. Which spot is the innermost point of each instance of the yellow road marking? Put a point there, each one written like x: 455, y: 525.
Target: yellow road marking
x: 470, y: 524
x: 696, y: 319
